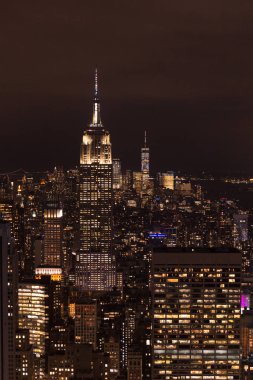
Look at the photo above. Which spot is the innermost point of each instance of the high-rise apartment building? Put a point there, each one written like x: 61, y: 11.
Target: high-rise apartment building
x: 8, y: 301
x: 196, y: 314
x: 95, y: 268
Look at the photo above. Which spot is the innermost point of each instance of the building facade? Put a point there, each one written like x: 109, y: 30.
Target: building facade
x: 117, y: 174
x: 53, y: 215
x: 86, y: 322
x: 196, y: 314
x: 33, y: 316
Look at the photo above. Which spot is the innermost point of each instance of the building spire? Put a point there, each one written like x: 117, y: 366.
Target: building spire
x: 96, y: 83
x: 96, y: 119
x: 145, y: 139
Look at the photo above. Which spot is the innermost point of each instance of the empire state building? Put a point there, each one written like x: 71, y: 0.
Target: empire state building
x: 95, y: 267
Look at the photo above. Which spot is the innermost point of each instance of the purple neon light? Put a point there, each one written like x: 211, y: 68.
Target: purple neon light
x: 245, y: 301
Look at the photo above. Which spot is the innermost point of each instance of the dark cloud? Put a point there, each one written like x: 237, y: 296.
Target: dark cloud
x: 180, y: 69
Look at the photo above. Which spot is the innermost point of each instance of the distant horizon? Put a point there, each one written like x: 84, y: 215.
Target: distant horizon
x: 201, y: 174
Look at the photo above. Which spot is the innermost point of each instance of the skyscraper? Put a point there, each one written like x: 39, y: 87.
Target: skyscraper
x: 241, y: 228
x: 145, y: 157
x: 6, y: 202
x: 53, y: 214
x: 196, y: 313
x: 142, y: 183
x: 145, y: 167
x: 8, y: 288
x: 95, y: 268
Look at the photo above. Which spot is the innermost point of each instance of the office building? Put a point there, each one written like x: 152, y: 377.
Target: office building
x: 51, y: 277
x: 53, y: 214
x: 95, y: 267
x: 240, y: 231
x: 138, y: 182
x: 24, y: 356
x: 33, y: 316
x: 6, y: 201
x: 86, y: 322
x: 168, y: 180
x: 117, y: 174
x: 196, y: 313
x: 60, y: 367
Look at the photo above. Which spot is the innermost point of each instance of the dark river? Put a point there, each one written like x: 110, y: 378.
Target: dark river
x: 242, y: 193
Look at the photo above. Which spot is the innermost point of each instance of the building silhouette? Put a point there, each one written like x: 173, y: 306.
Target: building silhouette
x: 8, y: 303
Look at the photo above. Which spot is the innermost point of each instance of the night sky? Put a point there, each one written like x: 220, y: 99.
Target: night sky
x: 183, y: 70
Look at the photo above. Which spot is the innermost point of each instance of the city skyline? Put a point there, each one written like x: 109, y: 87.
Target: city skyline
x: 139, y: 276
x: 126, y: 183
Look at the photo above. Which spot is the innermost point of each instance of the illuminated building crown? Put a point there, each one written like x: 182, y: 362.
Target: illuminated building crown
x: 96, y: 144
